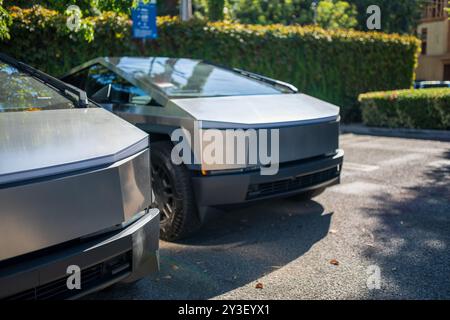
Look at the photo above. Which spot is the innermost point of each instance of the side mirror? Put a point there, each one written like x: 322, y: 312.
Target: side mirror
x: 103, y: 95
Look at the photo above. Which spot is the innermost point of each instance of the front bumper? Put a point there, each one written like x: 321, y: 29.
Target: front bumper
x: 238, y: 188
x: 126, y: 255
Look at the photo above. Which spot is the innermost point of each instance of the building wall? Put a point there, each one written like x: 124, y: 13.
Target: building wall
x: 431, y: 64
x: 437, y: 40
x: 430, y: 68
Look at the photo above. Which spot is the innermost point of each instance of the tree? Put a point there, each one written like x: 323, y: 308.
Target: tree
x: 336, y: 14
x: 268, y: 12
x: 92, y: 7
x: 400, y: 16
x: 5, y: 22
x: 168, y: 7
x: 87, y: 6
x: 215, y: 9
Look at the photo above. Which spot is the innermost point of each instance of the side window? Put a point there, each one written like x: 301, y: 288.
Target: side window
x: 104, y: 86
x: 77, y: 79
x: 424, y: 38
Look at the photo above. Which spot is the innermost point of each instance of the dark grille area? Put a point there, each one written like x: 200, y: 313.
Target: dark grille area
x: 90, y: 278
x: 256, y: 191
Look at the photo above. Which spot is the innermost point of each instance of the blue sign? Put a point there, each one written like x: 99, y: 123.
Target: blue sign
x: 144, y: 20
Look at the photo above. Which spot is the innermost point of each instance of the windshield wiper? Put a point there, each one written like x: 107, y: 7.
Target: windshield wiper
x: 257, y: 77
x: 66, y: 89
x: 266, y: 79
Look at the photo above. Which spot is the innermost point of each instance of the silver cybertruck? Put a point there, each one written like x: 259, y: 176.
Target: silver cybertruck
x: 74, y: 191
x: 160, y: 95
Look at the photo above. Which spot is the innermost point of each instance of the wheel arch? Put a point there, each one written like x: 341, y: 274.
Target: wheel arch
x: 158, y: 133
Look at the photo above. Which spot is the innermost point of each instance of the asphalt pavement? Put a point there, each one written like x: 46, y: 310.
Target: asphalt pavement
x: 383, y: 233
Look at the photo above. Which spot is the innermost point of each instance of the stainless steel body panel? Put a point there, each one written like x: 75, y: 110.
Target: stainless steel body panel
x: 308, y: 141
x: 296, y: 142
x: 266, y: 110
x: 46, y: 212
x: 37, y: 144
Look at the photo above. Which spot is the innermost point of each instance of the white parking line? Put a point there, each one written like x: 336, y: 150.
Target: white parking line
x: 386, y: 147
x: 357, y: 188
x: 349, y: 139
x: 359, y: 167
x: 439, y: 163
x: 403, y: 159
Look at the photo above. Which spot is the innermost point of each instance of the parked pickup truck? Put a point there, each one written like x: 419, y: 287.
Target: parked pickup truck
x: 163, y: 95
x: 74, y: 191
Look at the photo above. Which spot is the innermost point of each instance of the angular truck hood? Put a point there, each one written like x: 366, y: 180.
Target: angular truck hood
x: 249, y: 111
x: 43, y: 143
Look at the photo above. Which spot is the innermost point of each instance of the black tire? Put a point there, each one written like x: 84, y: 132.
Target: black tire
x: 174, y: 196
x: 308, y: 195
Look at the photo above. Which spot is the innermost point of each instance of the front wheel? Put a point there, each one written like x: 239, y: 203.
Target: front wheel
x: 173, y: 194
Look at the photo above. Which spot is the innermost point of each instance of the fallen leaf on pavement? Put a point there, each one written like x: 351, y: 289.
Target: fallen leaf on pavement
x: 259, y: 285
x: 334, y: 262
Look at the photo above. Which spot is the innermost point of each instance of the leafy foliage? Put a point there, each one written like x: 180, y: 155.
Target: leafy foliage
x: 418, y: 109
x: 5, y: 22
x: 215, y: 9
x: 268, y: 12
x: 399, y: 16
x: 334, y: 65
x: 336, y: 14
x: 92, y: 7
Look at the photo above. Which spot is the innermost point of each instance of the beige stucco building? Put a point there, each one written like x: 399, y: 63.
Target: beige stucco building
x: 434, y: 31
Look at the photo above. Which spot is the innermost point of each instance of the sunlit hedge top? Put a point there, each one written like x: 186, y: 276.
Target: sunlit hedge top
x: 317, y: 33
x: 335, y: 65
x: 418, y: 109
x: 42, y: 17
x: 432, y: 93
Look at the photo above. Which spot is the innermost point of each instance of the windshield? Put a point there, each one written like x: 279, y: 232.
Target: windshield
x: 21, y: 92
x: 191, y: 78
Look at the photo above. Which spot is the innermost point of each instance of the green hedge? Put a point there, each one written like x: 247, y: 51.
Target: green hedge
x: 415, y: 109
x: 333, y: 65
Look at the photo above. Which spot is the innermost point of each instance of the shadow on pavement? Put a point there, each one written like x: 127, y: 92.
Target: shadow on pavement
x: 232, y: 251
x: 415, y: 233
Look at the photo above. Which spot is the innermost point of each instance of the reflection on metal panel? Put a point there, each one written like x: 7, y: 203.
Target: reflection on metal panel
x: 46, y: 213
x: 36, y: 144
x: 257, y: 110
